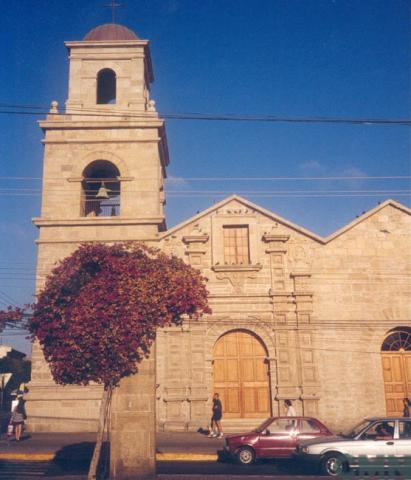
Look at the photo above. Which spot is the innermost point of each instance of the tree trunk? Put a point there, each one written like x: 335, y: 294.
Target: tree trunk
x: 104, y: 413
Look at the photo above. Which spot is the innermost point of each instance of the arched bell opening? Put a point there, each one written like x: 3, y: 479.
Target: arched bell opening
x: 100, y: 190
x: 396, y: 365
x: 106, y: 86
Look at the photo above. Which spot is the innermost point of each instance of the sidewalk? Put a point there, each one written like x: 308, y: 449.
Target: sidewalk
x: 47, y: 446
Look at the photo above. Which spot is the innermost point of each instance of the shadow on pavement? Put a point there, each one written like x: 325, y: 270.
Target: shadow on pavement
x: 290, y: 466
x: 75, y: 459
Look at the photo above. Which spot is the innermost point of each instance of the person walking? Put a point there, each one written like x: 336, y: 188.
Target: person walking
x: 17, y: 418
x: 406, y: 409
x: 216, y: 429
x: 289, y: 409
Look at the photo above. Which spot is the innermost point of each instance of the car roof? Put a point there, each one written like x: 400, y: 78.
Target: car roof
x: 386, y: 419
x: 297, y: 417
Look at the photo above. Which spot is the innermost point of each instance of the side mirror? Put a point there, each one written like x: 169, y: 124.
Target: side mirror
x: 267, y: 432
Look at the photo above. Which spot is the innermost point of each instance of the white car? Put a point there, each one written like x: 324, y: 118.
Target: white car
x: 373, y: 437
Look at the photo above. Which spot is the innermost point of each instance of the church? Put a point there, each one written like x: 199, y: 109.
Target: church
x: 322, y: 321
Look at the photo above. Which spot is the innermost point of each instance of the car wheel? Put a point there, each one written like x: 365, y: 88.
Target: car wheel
x: 334, y: 464
x: 246, y: 456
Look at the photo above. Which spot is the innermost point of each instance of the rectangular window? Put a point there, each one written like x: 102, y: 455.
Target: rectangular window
x: 405, y: 429
x: 236, y: 245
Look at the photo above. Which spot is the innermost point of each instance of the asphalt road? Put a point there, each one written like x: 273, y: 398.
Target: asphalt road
x: 26, y: 470
x: 272, y: 468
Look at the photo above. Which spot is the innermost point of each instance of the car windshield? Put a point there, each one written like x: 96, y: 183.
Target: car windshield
x: 356, y: 430
x: 264, y: 425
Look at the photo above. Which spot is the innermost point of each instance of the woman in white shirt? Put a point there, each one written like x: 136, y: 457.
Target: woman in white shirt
x: 290, y: 410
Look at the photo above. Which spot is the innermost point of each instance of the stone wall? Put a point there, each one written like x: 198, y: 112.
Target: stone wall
x: 322, y: 307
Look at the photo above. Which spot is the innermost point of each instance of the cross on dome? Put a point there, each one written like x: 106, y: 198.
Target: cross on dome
x: 113, y: 5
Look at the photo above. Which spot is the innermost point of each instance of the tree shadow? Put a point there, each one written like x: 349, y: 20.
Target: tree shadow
x: 75, y: 459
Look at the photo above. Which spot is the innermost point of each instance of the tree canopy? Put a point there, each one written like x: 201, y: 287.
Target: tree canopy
x: 10, y: 316
x: 97, y: 316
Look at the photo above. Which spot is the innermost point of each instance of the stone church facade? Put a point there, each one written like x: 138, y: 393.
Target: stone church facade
x: 324, y: 322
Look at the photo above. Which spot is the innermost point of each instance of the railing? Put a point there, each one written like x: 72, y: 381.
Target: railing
x: 106, y: 207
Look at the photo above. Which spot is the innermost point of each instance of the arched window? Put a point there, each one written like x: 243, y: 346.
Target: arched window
x: 399, y: 339
x: 100, y: 190
x: 106, y: 86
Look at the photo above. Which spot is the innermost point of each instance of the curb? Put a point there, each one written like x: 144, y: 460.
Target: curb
x: 160, y: 457
x: 34, y: 457
x: 186, y: 457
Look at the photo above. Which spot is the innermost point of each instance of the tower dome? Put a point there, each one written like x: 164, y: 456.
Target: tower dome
x: 110, y: 31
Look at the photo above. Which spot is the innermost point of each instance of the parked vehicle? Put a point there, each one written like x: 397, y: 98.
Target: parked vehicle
x: 389, y: 436
x: 276, y: 437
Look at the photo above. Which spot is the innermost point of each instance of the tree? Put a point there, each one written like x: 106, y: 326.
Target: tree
x: 10, y: 317
x: 97, y: 316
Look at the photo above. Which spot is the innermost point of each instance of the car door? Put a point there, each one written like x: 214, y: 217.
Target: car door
x: 377, y: 439
x: 308, y: 428
x: 403, y: 443
x: 279, y: 439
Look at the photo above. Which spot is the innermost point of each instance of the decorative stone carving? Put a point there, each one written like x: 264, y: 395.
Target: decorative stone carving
x: 236, y: 275
x: 54, y: 107
x: 235, y: 210
x: 300, y: 257
x: 195, y: 242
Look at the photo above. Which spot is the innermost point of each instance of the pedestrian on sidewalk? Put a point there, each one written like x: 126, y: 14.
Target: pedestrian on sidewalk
x: 17, y: 418
x: 216, y: 429
x: 289, y: 409
x: 406, y: 410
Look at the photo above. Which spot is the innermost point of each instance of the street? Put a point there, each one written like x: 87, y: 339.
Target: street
x: 272, y: 468
x: 24, y: 470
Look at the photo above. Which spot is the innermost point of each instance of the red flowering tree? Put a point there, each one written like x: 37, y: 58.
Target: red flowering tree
x: 11, y: 317
x: 97, y: 316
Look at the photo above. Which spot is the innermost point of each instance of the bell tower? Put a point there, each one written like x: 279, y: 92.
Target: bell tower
x: 106, y: 155
x: 105, y: 159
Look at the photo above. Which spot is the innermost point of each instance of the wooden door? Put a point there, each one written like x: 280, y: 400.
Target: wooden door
x: 397, y: 380
x: 241, y: 375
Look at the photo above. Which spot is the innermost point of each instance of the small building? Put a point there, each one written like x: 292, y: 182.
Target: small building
x: 324, y: 322
x: 14, y: 373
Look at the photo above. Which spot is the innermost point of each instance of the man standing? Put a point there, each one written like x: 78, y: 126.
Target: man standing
x: 216, y: 429
x: 406, y: 410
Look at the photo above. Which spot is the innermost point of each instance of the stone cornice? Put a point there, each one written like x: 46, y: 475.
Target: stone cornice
x: 271, y: 237
x: 237, y: 268
x: 106, y: 43
x: 144, y: 140
x: 78, y: 122
x: 200, y: 238
x: 88, y: 221
x: 300, y: 274
x: 80, y: 179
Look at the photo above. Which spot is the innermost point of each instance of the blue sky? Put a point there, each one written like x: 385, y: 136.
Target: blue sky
x: 293, y: 58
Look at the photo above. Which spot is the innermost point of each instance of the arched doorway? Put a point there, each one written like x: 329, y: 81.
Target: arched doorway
x: 241, y: 375
x: 396, y: 365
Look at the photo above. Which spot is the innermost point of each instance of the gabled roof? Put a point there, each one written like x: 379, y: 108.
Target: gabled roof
x: 286, y: 223
x: 367, y: 215
x: 247, y: 204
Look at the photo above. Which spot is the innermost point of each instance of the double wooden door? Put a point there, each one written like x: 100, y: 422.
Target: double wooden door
x: 397, y: 380
x: 241, y: 375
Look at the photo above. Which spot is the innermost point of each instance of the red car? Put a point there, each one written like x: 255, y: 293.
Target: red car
x: 276, y: 437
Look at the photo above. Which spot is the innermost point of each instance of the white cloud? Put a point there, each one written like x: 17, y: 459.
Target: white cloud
x: 312, y: 167
x: 176, y: 183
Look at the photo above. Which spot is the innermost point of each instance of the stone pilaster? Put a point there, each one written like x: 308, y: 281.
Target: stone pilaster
x: 133, y: 425
x: 196, y: 246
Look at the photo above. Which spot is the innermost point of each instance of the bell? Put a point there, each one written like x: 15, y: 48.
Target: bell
x: 102, y: 191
